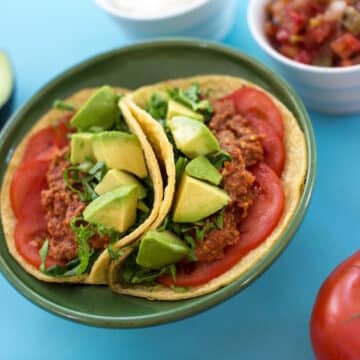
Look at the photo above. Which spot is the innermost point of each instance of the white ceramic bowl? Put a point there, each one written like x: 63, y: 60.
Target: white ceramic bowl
x: 327, y: 90
x: 208, y: 19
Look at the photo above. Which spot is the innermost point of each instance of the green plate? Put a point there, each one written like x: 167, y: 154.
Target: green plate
x: 132, y: 67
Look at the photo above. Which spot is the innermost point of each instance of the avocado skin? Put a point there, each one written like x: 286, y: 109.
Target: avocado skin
x: 100, y: 110
x: 160, y: 248
x: 201, y: 168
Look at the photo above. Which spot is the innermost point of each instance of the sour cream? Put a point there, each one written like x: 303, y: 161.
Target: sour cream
x: 154, y: 8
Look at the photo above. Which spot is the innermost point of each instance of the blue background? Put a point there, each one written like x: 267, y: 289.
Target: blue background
x: 270, y: 320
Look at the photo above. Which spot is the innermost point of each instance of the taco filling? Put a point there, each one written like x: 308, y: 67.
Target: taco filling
x: 82, y: 185
x: 229, y: 156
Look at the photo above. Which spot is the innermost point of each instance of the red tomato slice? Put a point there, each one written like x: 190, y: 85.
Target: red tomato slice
x: 335, y: 320
x: 41, y: 145
x: 30, y: 229
x: 253, y: 102
x: 262, y: 218
x: 62, y: 134
x: 27, y: 177
x: 274, y: 150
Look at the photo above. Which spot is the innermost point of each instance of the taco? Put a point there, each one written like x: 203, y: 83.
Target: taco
x: 238, y: 157
x: 83, y: 180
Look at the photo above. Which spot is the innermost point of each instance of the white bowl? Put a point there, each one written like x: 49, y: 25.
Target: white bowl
x: 327, y: 90
x: 208, y: 19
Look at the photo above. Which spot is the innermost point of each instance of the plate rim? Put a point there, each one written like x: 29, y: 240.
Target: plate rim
x: 199, y: 304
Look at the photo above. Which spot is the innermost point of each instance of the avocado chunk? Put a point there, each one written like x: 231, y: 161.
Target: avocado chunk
x: 196, y: 200
x: 114, y: 178
x: 120, y: 150
x: 100, y: 110
x: 177, y: 109
x: 115, y: 209
x: 81, y: 148
x: 7, y: 79
x: 160, y: 248
x: 201, y: 168
x: 192, y: 137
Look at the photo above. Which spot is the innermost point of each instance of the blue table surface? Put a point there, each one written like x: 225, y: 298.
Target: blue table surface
x: 270, y: 320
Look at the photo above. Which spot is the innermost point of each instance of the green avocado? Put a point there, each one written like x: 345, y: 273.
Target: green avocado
x: 81, y: 148
x: 115, y: 178
x: 177, y: 109
x: 115, y: 209
x: 160, y: 248
x: 120, y: 150
x: 196, y: 200
x: 201, y: 168
x: 192, y: 137
x: 6, y: 79
x: 100, y: 110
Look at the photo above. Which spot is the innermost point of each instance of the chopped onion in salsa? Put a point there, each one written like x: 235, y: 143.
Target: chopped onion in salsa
x: 315, y: 32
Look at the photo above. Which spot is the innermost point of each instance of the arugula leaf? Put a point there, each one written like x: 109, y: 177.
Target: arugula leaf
x: 132, y: 273
x: 83, y: 178
x: 179, y: 289
x: 43, y: 254
x: 82, y: 235
x: 180, y: 165
x: 157, y: 106
x: 192, y: 98
x: 62, y: 105
x: 218, y: 159
x: 220, y: 219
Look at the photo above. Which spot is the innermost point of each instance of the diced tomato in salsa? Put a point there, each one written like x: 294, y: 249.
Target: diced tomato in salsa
x: 323, y: 33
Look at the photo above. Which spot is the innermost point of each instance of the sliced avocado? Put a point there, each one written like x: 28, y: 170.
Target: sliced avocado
x: 81, y: 148
x: 120, y: 150
x: 160, y: 248
x: 196, y: 200
x: 115, y: 178
x: 177, y: 109
x: 6, y: 79
x: 192, y: 137
x: 201, y: 168
x: 100, y: 110
x: 115, y: 209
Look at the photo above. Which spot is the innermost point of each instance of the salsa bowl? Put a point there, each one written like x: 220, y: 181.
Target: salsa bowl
x: 331, y: 90
x: 132, y: 67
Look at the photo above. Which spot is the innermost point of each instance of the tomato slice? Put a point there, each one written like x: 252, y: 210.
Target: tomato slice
x: 62, y: 134
x: 274, y: 150
x: 41, y: 145
x: 30, y: 229
x: 262, y: 218
x: 27, y: 177
x: 251, y: 102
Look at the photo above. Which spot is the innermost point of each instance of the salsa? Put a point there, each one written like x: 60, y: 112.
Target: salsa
x: 315, y: 32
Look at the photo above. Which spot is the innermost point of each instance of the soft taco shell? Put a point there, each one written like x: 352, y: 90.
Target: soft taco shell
x: 99, y: 270
x: 293, y: 177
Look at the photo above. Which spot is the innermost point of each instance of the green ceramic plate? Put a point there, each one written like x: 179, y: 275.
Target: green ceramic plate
x: 131, y: 67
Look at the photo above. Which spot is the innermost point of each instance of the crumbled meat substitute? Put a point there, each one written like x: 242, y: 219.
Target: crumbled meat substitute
x: 61, y: 205
x: 239, y: 140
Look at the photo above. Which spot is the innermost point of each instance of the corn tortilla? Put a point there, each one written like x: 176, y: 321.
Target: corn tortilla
x: 293, y: 177
x: 99, y: 270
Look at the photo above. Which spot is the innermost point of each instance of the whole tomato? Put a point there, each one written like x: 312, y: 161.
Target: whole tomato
x: 335, y: 321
